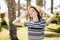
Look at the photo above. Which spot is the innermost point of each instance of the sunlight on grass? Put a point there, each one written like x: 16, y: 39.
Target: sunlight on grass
x: 4, y: 35
x: 54, y: 26
x: 22, y: 33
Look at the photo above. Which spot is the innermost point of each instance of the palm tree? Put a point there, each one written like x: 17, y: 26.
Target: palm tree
x: 18, y: 8
x: 39, y: 3
x: 44, y: 4
x: 0, y: 20
x: 51, y: 6
x: 11, y: 15
x: 28, y: 4
x: 44, y: 7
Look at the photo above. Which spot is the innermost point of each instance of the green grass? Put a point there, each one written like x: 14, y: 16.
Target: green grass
x: 23, y: 31
x: 4, y: 37
x: 53, y: 26
x: 4, y: 34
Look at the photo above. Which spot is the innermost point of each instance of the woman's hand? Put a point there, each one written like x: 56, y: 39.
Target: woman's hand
x: 17, y: 21
x: 23, y: 14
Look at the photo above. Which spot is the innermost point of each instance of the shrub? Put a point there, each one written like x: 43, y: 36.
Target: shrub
x: 3, y: 22
x: 54, y: 30
x: 58, y: 18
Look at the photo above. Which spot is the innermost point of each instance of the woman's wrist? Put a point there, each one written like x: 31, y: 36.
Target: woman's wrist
x: 22, y: 16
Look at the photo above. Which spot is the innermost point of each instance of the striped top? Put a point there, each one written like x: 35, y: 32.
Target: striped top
x: 36, y: 29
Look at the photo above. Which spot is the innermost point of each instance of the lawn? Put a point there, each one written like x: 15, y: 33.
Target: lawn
x: 23, y: 31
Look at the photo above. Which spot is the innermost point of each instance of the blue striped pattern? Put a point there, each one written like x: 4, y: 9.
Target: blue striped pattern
x: 36, y: 29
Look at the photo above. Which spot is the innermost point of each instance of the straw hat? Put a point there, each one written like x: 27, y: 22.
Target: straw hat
x: 38, y: 8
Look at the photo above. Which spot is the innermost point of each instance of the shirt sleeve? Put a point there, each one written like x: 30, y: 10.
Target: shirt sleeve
x: 43, y: 23
x: 26, y: 23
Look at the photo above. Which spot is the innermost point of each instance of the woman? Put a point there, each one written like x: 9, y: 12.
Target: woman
x: 36, y: 24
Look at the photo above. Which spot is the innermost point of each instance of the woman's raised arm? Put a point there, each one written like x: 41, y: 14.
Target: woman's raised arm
x: 17, y: 21
x: 51, y: 16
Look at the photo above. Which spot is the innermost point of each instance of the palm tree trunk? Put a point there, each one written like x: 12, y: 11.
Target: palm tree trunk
x: 39, y: 3
x: 28, y: 4
x: 0, y: 20
x: 18, y: 8
x: 51, y: 6
x: 45, y: 4
x: 11, y: 15
x: 44, y: 7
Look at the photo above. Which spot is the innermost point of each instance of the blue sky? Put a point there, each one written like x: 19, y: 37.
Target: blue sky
x: 48, y: 4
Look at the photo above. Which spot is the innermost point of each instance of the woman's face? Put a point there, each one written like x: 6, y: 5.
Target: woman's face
x: 32, y: 12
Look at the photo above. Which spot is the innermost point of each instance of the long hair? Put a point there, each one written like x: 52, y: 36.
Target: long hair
x: 38, y: 13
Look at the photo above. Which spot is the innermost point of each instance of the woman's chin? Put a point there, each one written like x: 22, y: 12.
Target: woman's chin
x: 31, y: 16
